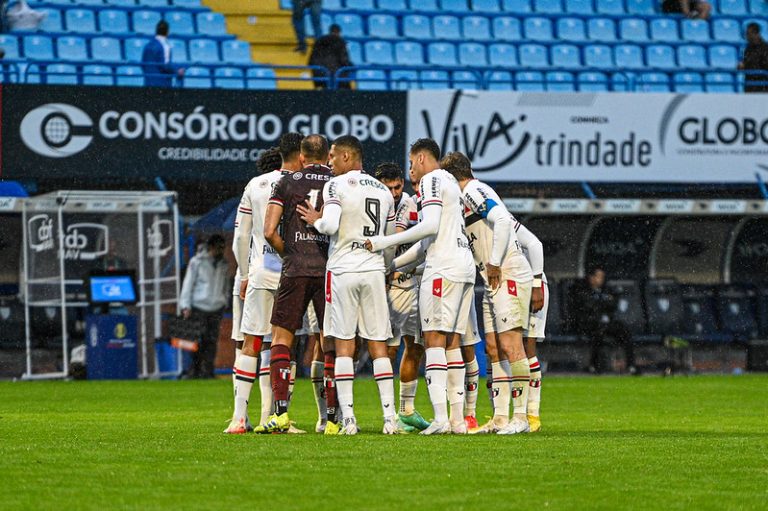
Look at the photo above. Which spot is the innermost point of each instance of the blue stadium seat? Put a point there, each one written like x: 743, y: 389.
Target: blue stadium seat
x: 472, y: 54
x: 614, y: 7
x: 122, y: 3
x: 434, y: 79
x: 404, y: 79
x: 736, y: 310
x: 571, y: 29
x: 355, y: 51
x: 205, y: 51
x: 700, y: 314
x: 758, y: 7
x: 392, y: 5
x: 628, y: 56
x: 733, y: 7
x: 261, y: 78
x: 719, y: 82
x: 485, y: 6
x: 579, y: 6
x: 548, y: 6
x: 688, y: 82
x: 559, y: 81
x: 424, y: 5
x: 446, y: 27
x: 538, y: 29
x: 726, y: 30
x: 153, y: 3
x: 664, y: 30
x: 691, y: 56
x: 10, y: 45
x: 89, y: 2
x: 653, y: 82
x: 695, y: 30
x: 591, y: 81
x: 351, y: 25
x: 145, y: 22
x: 598, y: 55
x: 499, y: 80
x: 601, y: 29
x: 723, y: 57
x: 197, y: 78
x: 516, y: 6
x: 97, y: 75
x: 383, y: 26
x: 565, y: 55
x: 370, y: 79
x: 129, y: 76
x: 235, y: 51
x: 664, y: 302
x: 465, y: 80
x: 660, y: 56
x: 228, y: 78
x: 506, y: 29
x: 633, y: 29
x: 378, y: 52
x: 61, y: 74
x: 460, y: 6
x: 180, y: 22
x: 620, y: 82
x: 476, y: 28
x: 71, y: 48
x: 533, y: 55
x: 362, y: 5
x: 529, y: 81
x: 107, y: 49
x: 188, y: 3
x: 408, y: 53
x: 113, y: 21
x: 644, y: 7
x: 179, y: 53
x: 52, y: 22
x: 441, y: 54
x: 502, y: 55
x: 133, y: 48
x: 417, y: 26
x: 214, y: 24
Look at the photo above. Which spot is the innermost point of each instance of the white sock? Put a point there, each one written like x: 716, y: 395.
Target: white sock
x: 382, y: 373
x: 489, y: 378
x: 345, y: 379
x: 534, y: 389
x: 291, y: 381
x: 436, y: 369
x: 246, y: 373
x: 408, y: 396
x: 316, y: 375
x: 521, y: 379
x: 238, y: 351
x: 265, y: 385
x: 500, y: 390
x: 470, y: 385
x: 455, y: 384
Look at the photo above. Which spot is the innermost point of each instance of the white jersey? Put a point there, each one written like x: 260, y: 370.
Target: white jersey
x: 447, y: 253
x: 264, y: 264
x: 367, y: 207
x: 479, y: 199
x: 527, y: 238
x: 407, y: 216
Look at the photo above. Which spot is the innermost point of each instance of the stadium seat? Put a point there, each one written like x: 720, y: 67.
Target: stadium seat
x: 614, y: 7
x: 113, y: 21
x: 736, y: 310
x: 180, y: 23
x: 10, y: 45
x: 38, y: 47
x: 446, y: 27
x: 565, y: 55
x: 197, y: 78
x: 516, y: 6
x: 205, y: 51
x: 179, y: 53
x: 213, y: 24
x: 644, y: 7
x: 653, y: 82
x: 32, y: 74
x: 664, y: 307
x: 533, y: 55
x: 758, y: 7
x: 485, y: 5
x: 129, y: 76
x: 378, y: 52
x: 547, y: 6
x: 235, y: 51
x: 361, y: 5
x: 699, y: 315
x: 633, y: 29
x: 590, y: 81
x: 506, y: 29
x: 416, y: 26
x: 598, y: 55
x: 691, y: 56
x: 61, y: 74
x: 620, y: 81
x: 424, y: 5
x: 71, y: 48
x: 660, y: 56
x: 434, y: 79
x: 723, y: 57
x: 688, y: 82
x: 601, y: 29
x: 408, y: 53
x: 261, y: 78
x: 383, y: 26
x: 107, y: 49
x: 441, y: 54
x: 472, y: 55
x: 538, y: 29
x: 502, y: 55
x: 145, y: 22
x: 355, y: 51
x: 579, y: 6
x: 695, y: 30
x: 571, y: 29
x: 529, y: 81
x: 97, y: 75
x: 664, y: 30
x: 465, y: 80
x: 476, y: 28
x: 228, y: 78
x: 81, y: 21
x: 558, y: 81
x: 629, y: 306
x: 153, y: 3
x: 459, y: 6
x: 133, y: 48
x: 732, y: 7
x: 391, y: 5
x: 726, y: 30
x: 499, y: 80
x: 52, y: 22
x: 370, y: 79
x: 404, y: 79
x: 628, y: 56
x: 719, y: 82
x: 121, y: 3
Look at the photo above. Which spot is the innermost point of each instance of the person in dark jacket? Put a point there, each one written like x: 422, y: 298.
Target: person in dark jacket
x: 156, y: 59
x: 330, y: 51
x: 591, y: 315
x: 755, y: 58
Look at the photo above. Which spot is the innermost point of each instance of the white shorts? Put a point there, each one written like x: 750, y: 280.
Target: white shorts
x: 357, y: 306
x: 404, y: 313
x: 537, y: 322
x: 237, y: 314
x: 508, y: 307
x: 257, y: 311
x: 310, y: 325
x: 472, y: 335
x: 444, y: 305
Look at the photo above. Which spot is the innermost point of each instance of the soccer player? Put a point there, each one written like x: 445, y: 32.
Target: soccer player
x: 507, y: 296
x: 356, y: 206
x: 446, y: 291
x: 305, y: 253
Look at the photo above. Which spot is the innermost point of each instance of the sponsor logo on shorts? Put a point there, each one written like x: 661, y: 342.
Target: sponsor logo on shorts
x: 437, y: 287
x: 512, y: 287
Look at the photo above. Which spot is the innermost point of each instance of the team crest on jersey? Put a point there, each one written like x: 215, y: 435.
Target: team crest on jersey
x: 512, y: 287
x: 297, y: 175
x: 352, y: 181
x: 263, y: 184
x: 437, y: 287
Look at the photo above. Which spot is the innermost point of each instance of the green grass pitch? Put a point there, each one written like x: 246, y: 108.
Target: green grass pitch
x: 608, y: 443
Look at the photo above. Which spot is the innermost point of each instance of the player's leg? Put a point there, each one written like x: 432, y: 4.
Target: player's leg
x: 472, y: 376
x: 409, y: 418
x: 321, y: 301
x: 318, y: 387
x: 458, y: 305
x: 533, y: 335
x: 265, y: 381
x: 435, y: 329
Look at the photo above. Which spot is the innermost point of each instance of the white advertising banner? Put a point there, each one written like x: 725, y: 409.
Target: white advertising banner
x: 712, y: 138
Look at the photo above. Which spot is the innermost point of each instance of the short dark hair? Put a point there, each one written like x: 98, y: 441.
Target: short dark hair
x: 458, y: 165
x: 269, y: 160
x: 290, y: 145
x: 214, y: 240
x: 335, y: 29
x: 592, y: 269
x: 753, y: 27
x: 428, y: 145
x: 162, y: 28
x: 388, y: 171
x: 351, y: 144
x: 315, y: 147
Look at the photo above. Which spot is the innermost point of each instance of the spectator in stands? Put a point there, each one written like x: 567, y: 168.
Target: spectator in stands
x: 21, y: 16
x: 592, y: 308
x: 330, y: 51
x: 299, y: 6
x: 203, y: 298
x: 696, y: 9
x: 156, y: 59
x: 755, y: 58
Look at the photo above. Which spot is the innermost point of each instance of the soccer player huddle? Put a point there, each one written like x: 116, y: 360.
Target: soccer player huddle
x: 351, y: 260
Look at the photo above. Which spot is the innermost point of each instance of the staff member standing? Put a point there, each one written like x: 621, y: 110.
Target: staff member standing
x: 755, y: 58
x: 156, y: 59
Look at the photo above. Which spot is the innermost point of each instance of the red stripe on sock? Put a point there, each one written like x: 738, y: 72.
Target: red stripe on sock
x: 381, y: 375
x: 345, y: 376
x: 245, y: 373
x: 439, y: 366
x: 455, y: 364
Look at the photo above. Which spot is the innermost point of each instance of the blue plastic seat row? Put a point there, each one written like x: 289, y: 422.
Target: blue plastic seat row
x: 178, y: 4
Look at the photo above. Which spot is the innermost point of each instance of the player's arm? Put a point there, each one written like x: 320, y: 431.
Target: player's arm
x: 271, y: 227
x: 389, y: 253
x: 535, y: 250
x: 327, y: 220
x: 431, y: 210
x: 410, y: 259
x: 241, y: 244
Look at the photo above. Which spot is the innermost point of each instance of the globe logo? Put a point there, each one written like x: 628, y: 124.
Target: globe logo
x: 56, y: 130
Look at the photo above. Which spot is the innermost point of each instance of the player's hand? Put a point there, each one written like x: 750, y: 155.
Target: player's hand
x: 368, y: 245
x: 537, y: 299
x: 243, y: 287
x: 186, y: 313
x: 308, y: 213
x: 494, y: 275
